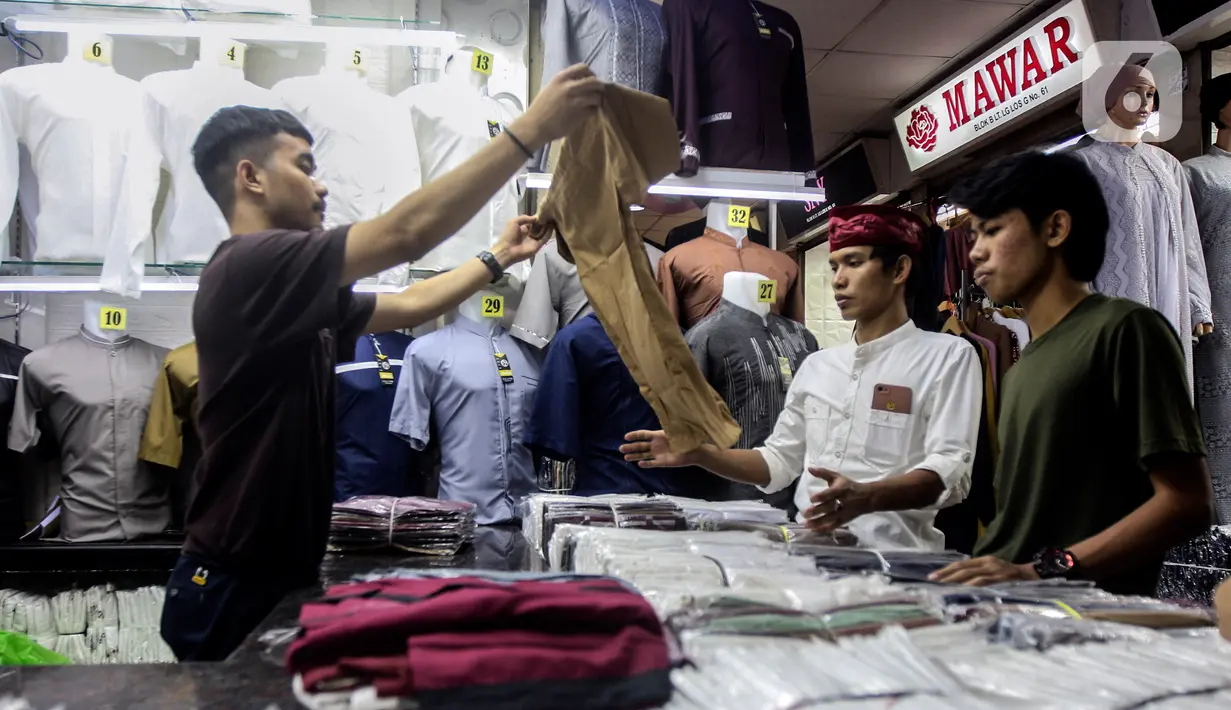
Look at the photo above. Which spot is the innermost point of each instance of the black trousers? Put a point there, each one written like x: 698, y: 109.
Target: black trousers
x: 208, y: 612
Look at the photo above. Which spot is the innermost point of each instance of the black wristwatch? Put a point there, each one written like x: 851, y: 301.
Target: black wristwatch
x: 1055, y: 563
x: 493, y: 265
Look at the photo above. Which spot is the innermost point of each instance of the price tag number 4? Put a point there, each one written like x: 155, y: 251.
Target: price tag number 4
x: 493, y: 306
x: 112, y: 318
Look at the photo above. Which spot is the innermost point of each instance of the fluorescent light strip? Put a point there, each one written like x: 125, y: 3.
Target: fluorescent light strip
x: 806, y: 194
x: 168, y: 287
x: 274, y: 32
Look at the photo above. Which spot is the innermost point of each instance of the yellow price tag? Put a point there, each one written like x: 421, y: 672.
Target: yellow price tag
x: 110, y: 318
x: 98, y: 50
x: 233, y: 55
x: 767, y: 291
x: 482, y: 62
x: 493, y: 306
x: 738, y: 216
x: 358, y: 61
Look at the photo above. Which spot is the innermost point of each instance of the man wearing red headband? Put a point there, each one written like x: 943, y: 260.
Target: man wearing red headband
x: 880, y: 431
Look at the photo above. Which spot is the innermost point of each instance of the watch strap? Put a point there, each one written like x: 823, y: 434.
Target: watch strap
x: 493, y: 265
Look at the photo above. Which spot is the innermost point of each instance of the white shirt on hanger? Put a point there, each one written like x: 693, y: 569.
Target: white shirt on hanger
x: 365, y: 146
x: 451, y: 124
x: 86, y: 172
x: 829, y: 422
x: 178, y: 103
x: 1019, y: 328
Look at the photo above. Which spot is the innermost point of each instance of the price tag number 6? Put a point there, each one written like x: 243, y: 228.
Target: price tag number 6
x: 98, y: 51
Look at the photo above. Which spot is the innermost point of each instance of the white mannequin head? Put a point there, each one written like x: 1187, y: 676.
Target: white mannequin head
x: 473, y: 307
x: 716, y: 218
x: 91, y: 320
x: 458, y: 70
x: 740, y: 288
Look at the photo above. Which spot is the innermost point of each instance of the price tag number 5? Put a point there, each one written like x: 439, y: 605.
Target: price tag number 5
x: 110, y: 318
x: 493, y: 306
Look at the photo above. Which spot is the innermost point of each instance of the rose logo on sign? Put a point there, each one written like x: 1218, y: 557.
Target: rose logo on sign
x: 921, y: 134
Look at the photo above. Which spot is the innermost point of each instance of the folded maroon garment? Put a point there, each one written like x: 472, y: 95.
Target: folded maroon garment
x: 469, y: 642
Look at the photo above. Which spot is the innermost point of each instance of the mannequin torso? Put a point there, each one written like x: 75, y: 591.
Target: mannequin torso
x: 740, y: 288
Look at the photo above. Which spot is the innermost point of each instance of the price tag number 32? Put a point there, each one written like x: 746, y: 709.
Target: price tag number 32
x: 737, y: 216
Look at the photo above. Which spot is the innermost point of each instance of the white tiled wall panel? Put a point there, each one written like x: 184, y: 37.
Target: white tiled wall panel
x: 821, y: 313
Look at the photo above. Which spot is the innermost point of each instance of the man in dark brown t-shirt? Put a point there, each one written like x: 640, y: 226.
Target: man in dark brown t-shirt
x: 275, y: 311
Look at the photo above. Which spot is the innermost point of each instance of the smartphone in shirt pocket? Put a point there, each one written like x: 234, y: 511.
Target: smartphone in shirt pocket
x: 889, y: 421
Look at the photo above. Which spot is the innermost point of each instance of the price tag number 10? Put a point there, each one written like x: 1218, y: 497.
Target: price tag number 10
x: 110, y: 318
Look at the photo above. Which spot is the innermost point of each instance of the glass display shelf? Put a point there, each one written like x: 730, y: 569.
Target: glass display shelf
x: 189, y: 11
x: 168, y: 19
x: 770, y: 185
x: 77, y: 277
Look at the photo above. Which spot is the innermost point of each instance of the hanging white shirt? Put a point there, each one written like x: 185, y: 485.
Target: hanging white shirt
x: 88, y: 175
x: 365, y: 146
x: 452, y: 122
x: 178, y: 103
x: 829, y: 422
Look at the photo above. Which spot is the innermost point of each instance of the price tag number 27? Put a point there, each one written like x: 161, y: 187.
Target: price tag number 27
x: 767, y: 291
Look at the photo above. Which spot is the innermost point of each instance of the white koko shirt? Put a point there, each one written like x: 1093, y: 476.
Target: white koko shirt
x: 365, y: 146
x: 829, y: 422
x: 452, y: 122
x: 178, y: 103
x: 88, y: 175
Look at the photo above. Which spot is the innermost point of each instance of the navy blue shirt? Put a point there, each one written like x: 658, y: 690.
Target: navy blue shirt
x: 587, y: 401
x: 371, y: 461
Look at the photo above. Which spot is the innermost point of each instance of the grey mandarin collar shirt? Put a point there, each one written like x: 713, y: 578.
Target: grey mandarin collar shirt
x: 96, y: 396
x: 450, y: 390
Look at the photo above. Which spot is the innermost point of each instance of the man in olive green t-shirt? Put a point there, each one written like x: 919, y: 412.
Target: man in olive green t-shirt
x: 1102, y: 466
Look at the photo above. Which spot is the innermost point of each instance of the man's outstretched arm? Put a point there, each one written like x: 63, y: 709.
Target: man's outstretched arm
x: 426, y: 217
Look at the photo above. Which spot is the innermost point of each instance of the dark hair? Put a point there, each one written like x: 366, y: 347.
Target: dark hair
x: 1041, y: 184
x: 234, y: 134
x: 1215, y: 94
x: 889, y: 255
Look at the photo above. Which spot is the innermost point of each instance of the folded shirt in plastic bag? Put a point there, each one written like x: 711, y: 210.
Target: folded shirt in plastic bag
x: 907, y: 565
x: 423, y: 525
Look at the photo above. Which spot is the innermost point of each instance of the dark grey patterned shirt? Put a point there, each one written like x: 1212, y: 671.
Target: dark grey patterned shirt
x: 751, y: 364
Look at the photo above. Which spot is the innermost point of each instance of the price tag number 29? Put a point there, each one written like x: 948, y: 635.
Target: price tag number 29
x: 493, y: 306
